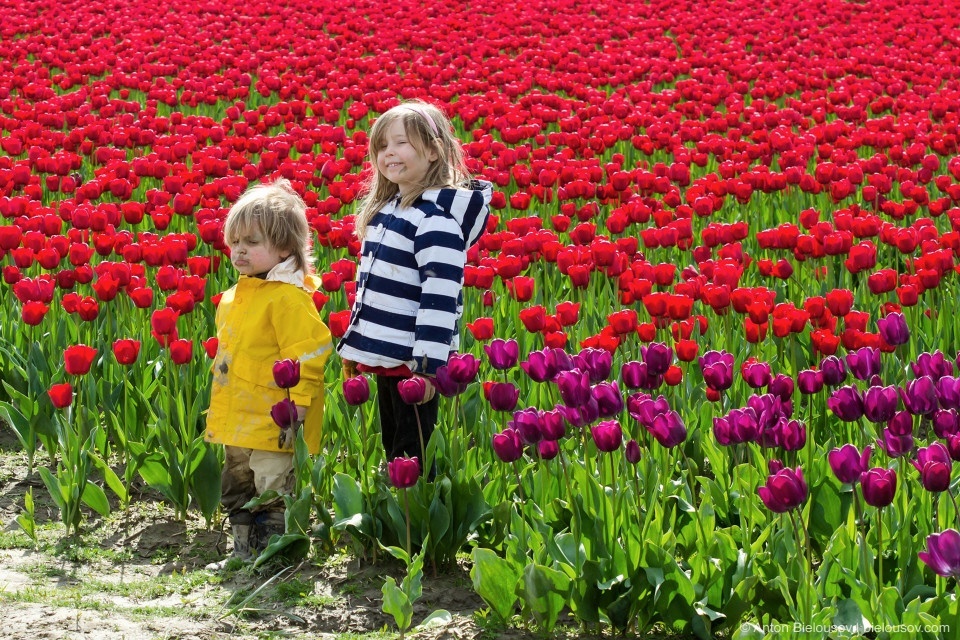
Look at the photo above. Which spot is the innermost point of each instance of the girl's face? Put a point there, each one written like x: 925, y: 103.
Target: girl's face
x: 252, y: 255
x: 400, y: 162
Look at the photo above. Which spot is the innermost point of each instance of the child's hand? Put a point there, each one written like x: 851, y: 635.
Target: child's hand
x: 429, y: 389
x: 349, y: 369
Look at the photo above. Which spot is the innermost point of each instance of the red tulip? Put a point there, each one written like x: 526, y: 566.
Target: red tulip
x: 181, y: 351
x: 481, y: 328
x: 61, y: 395
x: 126, y: 350
x: 78, y: 358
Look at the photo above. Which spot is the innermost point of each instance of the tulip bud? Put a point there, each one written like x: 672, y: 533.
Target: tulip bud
x: 286, y: 373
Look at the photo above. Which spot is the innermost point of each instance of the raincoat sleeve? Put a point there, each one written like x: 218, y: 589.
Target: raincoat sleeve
x: 302, y: 336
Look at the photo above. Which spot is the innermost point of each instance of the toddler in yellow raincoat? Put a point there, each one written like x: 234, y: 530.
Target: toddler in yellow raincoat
x: 269, y: 315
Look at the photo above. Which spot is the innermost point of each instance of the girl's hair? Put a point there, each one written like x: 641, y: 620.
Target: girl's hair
x: 426, y: 127
x: 281, y: 216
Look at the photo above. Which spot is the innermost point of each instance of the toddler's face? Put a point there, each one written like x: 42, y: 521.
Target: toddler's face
x: 251, y: 254
x: 400, y: 162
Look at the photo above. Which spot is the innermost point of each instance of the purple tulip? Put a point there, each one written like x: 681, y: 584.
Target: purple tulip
x: 848, y: 464
x: 893, y: 329
x: 879, y: 486
x: 781, y: 386
x: 948, y: 392
x: 953, y: 446
x: 284, y: 413
x: 723, y: 431
x: 541, y: 366
x: 757, y: 375
x: 403, y: 472
x: 632, y: 451
x: 503, y: 396
x: 809, y: 381
x: 658, y: 358
x: 785, y: 490
x: 565, y: 361
x: 791, y: 435
x: 445, y: 385
x: 636, y: 375
x: 548, y: 449
x: 895, y: 445
x: 609, y: 400
x: 356, y: 390
x: 880, y: 403
x: 943, y: 553
x: 946, y: 422
x: 412, y: 390
x: 580, y: 416
x: 608, y: 435
x: 934, y: 464
x: 833, y: 371
x: 920, y: 396
x: 901, y: 424
x: 597, y: 363
x: 508, y: 445
x: 574, y: 386
x: 646, y: 410
x: 286, y: 373
x: 668, y: 429
x: 527, y: 423
x: 502, y: 354
x: 846, y: 403
x: 463, y: 368
x: 864, y: 363
x: 552, y: 426
x: 933, y: 364
x: 717, y: 370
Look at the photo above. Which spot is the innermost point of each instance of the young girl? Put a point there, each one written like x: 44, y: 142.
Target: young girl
x: 268, y: 315
x: 420, y: 215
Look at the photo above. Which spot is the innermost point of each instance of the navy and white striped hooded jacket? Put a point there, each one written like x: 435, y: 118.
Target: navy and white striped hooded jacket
x: 410, y: 280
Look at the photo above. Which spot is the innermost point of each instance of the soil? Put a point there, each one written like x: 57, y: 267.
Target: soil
x: 140, y: 574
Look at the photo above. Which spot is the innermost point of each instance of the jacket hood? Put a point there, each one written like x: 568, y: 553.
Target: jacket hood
x: 469, y: 206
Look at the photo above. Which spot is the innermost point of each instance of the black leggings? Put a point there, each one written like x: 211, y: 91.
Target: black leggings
x: 398, y: 420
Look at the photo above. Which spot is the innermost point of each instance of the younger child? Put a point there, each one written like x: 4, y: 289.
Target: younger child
x: 420, y: 214
x: 268, y: 315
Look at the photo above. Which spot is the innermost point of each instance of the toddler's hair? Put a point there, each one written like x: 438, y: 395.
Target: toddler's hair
x: 426, y: 127
x: 280, y: 214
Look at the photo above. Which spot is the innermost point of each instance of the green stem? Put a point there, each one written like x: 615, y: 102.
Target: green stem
x: 574, y: 514
x: 406, y: 507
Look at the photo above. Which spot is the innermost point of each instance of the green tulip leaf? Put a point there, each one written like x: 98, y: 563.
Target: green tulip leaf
x: 544, y: 592
x: 495, y: 580
x: 397, y: 604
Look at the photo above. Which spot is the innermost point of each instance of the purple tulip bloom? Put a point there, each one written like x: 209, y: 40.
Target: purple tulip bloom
x: 636, y: 375
x: 412, y: 390
x: 893, y: 329
x: 356, y: 390
x: 597, y: 363
x: 848, y: 464
x: 946, y: 422
x: 541, y: 366
x: 717, y: 370
x: 286, y: 373
x: 552, y: 426
x: 632, y: 451
x: 284, y: 413
x: 403, y: 472
x: 933, y: 364
x: 527, y: 423
x: 846, y: 403
x: 647, y: 409
x: 574, y: 386
x: 920, y: 396
x: 895, y: 445
x: 809, y: 381
x: 953, y: 446
x: 445, y: 385
x: 934, y: 464
x: 668, y: 429
x: 901, y: 424
x: 548, y: 449
x: 880, y: 403
x: 943, y: 553
x: 948, y: 392
x: 864, y: 363
x: 833, y: 371
x: 879, y: 486
x: 658, y: 358
x: 608, y: 436
x: 781, y: 386
x: 581, y: 416
x: 791, y: 435
x: 757, y: 375
x: 785, y: 490
x: 463, y: 368
x: 609, y: 400
x: 503, y: 396
x: 508, y: 445
x: 502, y: 354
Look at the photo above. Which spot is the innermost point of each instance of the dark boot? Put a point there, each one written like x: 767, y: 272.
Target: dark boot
x: 268, y: 524
x: 244, y: 532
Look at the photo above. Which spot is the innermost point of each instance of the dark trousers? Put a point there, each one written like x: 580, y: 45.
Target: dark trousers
x: 398, y: 420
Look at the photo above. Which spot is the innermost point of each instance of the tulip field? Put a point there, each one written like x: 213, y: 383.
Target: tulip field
x: 708, y: 380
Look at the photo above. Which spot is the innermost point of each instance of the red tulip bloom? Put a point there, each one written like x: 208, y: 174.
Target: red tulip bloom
x: 181, y: 351
x: 88, y: 309
x: 568, y: 313
x: 534, y: 318
x: 142, y: 297
x: 338, y: 321
x: 521, y: 288
x: 164, y: 321
x: 126, y: 350
x: 481, y: 328
x: 61, y: 395
x: 78, y: 358
x: 210, y: 346
x: 33, y: 312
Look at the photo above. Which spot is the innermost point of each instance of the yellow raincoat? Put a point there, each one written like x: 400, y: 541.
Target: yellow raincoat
x: 258, y: 323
